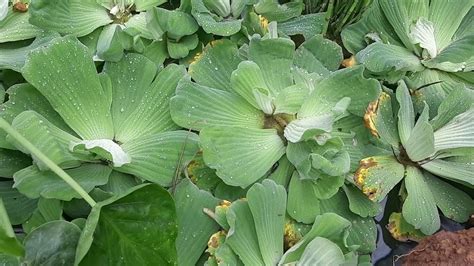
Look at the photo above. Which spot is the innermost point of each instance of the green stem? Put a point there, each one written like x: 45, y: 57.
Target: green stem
x: 328, y: 16
x: 44, y: 159
x: 348, y: 14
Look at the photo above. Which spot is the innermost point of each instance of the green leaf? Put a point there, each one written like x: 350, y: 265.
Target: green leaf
x: 419, y: 208
x: 328, y: 225
x: 362, y: 235
x: 465, y: 28
x: 456, y: 171
x: 119, y: 183
x: 267, y: 202
x: 195, y: 227
x: 307, y: 25
x: 14, y: 58
x: 9, y: 260
x: 85, y: 110
x: 12, y: 161
x: 333, y: 165
x: 51, y: 140
x: 359, y: 203
x: 157, y: 157
x: 406, y: 113
x: 34, y: 183
x: 354, y: 134
x: 247, y: 78
x: 76, y: 17
x: 433, y: 94
x: 275, y: 59
x: 454, y: 203
x: 156, y: 52
x: 53, y: 243
x: 153, y: 105
x: 264, y: 100
x: 3, y: 9
x: 349, y: 83
x: 421, y: 144
x: 153, y: 25
x: 455, y: 57
x: 2, y: 93
x: 202, y: 176
x: 321, y: 251
x: 221, y: 8
x: 226, y: 256
x: 210, y: 70
x: 90, y: 40
x: 457, y: 102
x: 274, y: 11
x: 457, y: 133
x: 17, y: 205
x: 196, y: 107
x: 30, y: 99
x: 357, y: 36
x: 299, y: 155
x: 180, y: 49
x: 446, y: 18
x: 241, y: 156
x: 175, y: 23
x: 422, y: 33
x: 382, y: 58
x: 80, y: 208
x: 149, y: 239
x: 327, y: 52
x: 212, y: 23
x: 8, y: 242
x: 109, y: 45
x: 15, y: 27
x: 142, y: 5
x: 400, y: 13
x: 290, y: 99
x: 48, y: 210
x: 283, y: 172
x: 378, y: 175
x: 242, y: 236
x: 303, y: 204
x: 326, y: 186
x: 138, y: 22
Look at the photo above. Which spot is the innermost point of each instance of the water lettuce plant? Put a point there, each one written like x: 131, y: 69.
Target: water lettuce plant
x: 249, y: 111
x: 224, y: 17
x: 175, y: 29
x: 428, y: 41
x: 75, y: 241
x: 245, y: 118
x: 425, y: 151
x: 122, y: 23
x: 14, y: 25
x: 100, y: 125
x: 201, y: 132
x: 254, y: 231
